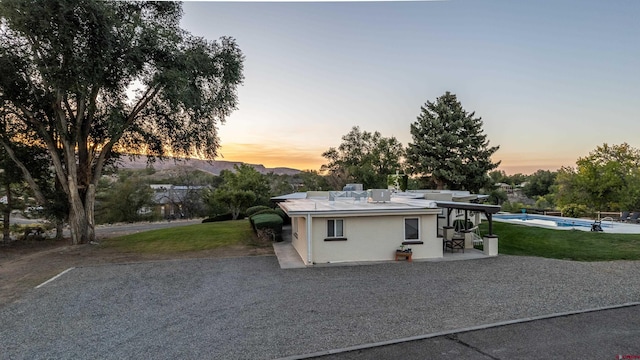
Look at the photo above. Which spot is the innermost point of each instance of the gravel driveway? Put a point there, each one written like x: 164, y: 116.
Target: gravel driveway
x: 248, y: 308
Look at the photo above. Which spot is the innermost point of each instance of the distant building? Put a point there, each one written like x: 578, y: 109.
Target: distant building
x: 176, y: 201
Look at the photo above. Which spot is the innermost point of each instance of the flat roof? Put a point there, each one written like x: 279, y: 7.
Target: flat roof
x: 351, y: 205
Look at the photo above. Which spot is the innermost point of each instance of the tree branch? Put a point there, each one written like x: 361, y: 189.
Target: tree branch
x: 25, y: 172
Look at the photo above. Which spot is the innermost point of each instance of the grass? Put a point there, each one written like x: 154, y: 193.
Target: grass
x: 187, y: 238
x: 577, y: 245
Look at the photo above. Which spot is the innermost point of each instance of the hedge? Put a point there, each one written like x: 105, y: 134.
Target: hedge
x: 254, y: 209
x: 265, y: 211
x: 222, y: 217
x: 268, y: 222
x: 283, y: 215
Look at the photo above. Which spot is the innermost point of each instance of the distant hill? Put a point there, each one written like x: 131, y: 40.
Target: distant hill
x: 212, y: 167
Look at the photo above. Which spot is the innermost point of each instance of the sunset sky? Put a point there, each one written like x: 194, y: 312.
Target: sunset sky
x: 551, y: 79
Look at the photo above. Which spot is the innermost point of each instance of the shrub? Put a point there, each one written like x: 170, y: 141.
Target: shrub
x: 254, y: 209
x: 222, y: 217
x: 264, y: 211
x: 262, y: 222
x: 283, y: 215
x: 574, y: 210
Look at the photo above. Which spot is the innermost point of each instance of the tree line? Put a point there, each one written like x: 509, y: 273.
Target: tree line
x: 85, y: 82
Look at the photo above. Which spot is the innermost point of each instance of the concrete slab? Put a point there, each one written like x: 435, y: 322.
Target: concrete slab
x: 288, y: 257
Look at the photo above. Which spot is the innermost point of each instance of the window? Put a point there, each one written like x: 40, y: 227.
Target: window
x: 412, y: 229
x: 335, y: 228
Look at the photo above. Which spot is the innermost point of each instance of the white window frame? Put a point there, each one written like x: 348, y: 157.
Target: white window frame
x: 335, y: 228
x: 404, y: 229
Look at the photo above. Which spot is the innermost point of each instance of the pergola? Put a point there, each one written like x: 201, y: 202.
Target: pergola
x: 488, y: 210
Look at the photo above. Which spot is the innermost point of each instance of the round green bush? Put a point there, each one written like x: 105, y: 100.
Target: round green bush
x: 254, y: 209
x: 268, y: 221
x: 283, y: 215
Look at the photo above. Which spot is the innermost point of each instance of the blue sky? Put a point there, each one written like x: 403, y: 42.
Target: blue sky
x: 551, y: 79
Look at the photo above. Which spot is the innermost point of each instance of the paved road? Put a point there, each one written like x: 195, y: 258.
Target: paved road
x: 249, y: 308
x: 604, y: 334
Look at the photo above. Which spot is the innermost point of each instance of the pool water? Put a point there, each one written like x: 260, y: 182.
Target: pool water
x: 552, y: 221
x: 562, y: 223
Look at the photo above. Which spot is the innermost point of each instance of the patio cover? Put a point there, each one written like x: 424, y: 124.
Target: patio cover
x: 488, y: 210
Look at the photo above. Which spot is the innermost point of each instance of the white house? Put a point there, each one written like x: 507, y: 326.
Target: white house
x: 349, y: 227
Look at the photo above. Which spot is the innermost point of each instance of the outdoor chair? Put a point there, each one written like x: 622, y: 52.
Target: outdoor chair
x: 624, y: 216
x: 456, y: 242
x: 634, y: 217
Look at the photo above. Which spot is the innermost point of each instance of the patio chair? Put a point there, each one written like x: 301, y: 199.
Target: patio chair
x: 624, y: 216
x: 457, y: 240
x: 634, y: 217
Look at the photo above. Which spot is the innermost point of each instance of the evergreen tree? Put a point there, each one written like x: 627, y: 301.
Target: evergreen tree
x: 449, y: 146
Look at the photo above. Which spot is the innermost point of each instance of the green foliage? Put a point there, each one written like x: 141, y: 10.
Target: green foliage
x: 497, y: 197
x: 498, y: 176
x: 245, y: 177
x: 240, y: 189
x: 255, y: 209
x: 575, y: 210
x: 513, y: 207
x: 564, y: 244
x: 283, y: 215
x: 124, y: 201
x: 223, y: 217
x: 271, y: 222
x: 546, y: 202
x: 363, y: 157
x: 449, y: 146
x: 68, y: 71
x: 235, y: 200
x: 540, y: 183
x: 608, y: 179
x: 312, y: 181
x: 265, y: 211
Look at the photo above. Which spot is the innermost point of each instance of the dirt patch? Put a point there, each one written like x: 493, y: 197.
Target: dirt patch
x: 26, y: 264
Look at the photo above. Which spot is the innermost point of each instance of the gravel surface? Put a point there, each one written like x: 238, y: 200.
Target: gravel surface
x: 248, y: 308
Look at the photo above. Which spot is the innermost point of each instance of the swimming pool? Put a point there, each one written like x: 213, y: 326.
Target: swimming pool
x: 563, y: 223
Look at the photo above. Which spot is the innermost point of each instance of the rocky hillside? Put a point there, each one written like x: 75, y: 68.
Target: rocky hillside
x: 212, y: 167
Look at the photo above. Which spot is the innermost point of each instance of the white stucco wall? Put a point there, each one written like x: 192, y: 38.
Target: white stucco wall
x: 299, y: 237
x: 372, y: 238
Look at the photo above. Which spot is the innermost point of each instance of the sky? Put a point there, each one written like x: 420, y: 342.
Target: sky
x: 551, y: 79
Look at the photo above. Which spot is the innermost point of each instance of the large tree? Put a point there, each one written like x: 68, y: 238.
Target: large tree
x: 449, y: 146
x: 540, y: 183
x: 363, y: 157
x: 88, y: 79
x: 608, y: 179
x: 241, y: 188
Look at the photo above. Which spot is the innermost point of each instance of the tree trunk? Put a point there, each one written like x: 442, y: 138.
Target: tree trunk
x: 78, y: 219
x: 6, y: 231
x: 89, y: 205
x: 59, y: 229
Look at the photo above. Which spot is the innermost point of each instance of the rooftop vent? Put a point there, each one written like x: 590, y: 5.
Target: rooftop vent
x: 352, y: 187
x: 380, y: 195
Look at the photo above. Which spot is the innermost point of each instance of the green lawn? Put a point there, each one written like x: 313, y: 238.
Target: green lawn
x: 564, y: 244
x: 186, y: 238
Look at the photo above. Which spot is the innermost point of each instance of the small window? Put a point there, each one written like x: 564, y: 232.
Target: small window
x: 412, y: 229
x: 335, y: 228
